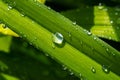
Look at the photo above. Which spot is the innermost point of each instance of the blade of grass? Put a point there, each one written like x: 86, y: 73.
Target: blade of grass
x: 41, y: 38
x: 73, y: 34
x: 5, y: 42
x: 7, y: 77
x: 96, y: 20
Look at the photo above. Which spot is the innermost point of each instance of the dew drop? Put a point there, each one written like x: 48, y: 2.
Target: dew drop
x: 89, y: 33
x: 93, y: 69
x: 71, y: 73
x: 46, y: 54
x: 9, y: 7
x: 22, y: 15
x: 95, y: 38
x: 81, y: 77
x: 64, y: 67
x: 74, y: 23
x: 113, y: 54
x: 48, y: 8
x: 106, y: 69
x: 58, y: 38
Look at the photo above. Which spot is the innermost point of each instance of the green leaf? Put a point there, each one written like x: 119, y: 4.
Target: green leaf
x: 97, y: 19
x: 5, y: 42
x: 7, y: 77
x: 88, y: 45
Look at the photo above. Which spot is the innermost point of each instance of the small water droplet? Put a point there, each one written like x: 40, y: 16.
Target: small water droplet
x: 81, y: 77
x: 64, y: 67
x: 49, y: 7
x: 46, y: 54
x: 93, y: 69
x: 113, y: 54
x: 9, y: 7
x: 106, y: 69
x: 95, y: 38
x: 100, y: 6
x: 58, y: 38
x: 74, y: 23
x: 71, y: 73
x: 22, y: 15
x: 89, y: 33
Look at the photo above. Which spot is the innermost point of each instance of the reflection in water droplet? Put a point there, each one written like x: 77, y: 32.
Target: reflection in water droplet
x: 106, y: 69
x: 58, y: 38
x: 93, y: 69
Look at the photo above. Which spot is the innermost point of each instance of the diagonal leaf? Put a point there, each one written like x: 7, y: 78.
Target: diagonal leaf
x: 67, y: 54
x: 5, y: 42
x: 96, y: 19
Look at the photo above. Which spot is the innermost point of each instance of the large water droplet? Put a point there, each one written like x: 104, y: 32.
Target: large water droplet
x: 106, y: 68
x: 93, y: 69
x: 58, y: 39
